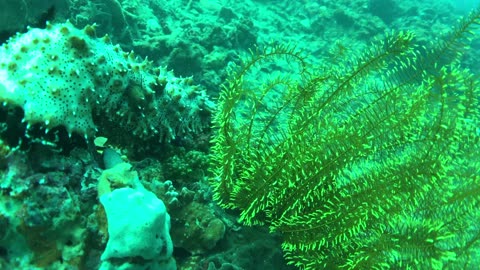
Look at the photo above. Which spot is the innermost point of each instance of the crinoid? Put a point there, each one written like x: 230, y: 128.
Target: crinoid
x: 369, y: 164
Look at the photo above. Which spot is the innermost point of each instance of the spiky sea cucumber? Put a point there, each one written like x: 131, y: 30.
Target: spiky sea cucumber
x: 64, y: 76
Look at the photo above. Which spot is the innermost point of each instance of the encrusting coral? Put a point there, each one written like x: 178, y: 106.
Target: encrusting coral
x: 64, y: 76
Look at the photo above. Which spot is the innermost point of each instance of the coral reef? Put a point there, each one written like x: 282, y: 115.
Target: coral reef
x: 198, y: 37
x: 50, y: 214
x: 40, y: 199
x: 52, y: 217
x: 201, y: 229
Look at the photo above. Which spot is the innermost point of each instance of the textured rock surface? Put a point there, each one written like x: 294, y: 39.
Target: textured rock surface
x: 63, y: 76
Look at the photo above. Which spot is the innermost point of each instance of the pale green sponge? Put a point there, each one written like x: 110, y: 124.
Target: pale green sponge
x: 138, y: 227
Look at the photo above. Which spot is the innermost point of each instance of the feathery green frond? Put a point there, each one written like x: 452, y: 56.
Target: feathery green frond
x: 369, y: 164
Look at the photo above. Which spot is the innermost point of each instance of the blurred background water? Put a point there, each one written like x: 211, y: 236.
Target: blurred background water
x: 465, y: 5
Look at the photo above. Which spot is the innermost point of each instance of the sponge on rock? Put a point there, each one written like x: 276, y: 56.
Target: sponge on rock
x: 138, y: 227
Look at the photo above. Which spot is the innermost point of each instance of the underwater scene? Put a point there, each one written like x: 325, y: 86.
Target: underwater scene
x: 230, y: 135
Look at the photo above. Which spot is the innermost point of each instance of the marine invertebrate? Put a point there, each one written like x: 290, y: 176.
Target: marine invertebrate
x: 64, y: 76
x: 138, y: 222
x: 368, y: 164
